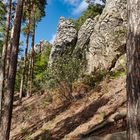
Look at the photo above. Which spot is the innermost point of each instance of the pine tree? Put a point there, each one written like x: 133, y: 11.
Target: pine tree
x: 133, y: 70
x: 5, y: 123
x: 38, y: 13
x: 27, y: 34
x: 4, y: 54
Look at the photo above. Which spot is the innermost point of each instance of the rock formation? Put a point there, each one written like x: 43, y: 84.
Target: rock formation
x: 65, y: 39
x: 84, y: 33
x: 107, y: 42
x: 103, y: 39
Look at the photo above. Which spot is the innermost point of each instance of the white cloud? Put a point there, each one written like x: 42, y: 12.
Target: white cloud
x: 72, y: 2
x: 80, y: 8
x: 53, y: 38
x: 77, y: 6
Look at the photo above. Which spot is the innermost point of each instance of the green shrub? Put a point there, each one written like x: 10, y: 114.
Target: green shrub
x: 23, y: 131
x: 116, y: 74
x: 63, y: 73
x: 40, y: 68
x: 94, y: 79
x: 92, y: 11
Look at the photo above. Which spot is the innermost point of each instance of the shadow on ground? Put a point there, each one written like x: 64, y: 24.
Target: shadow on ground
x: 69, y: 124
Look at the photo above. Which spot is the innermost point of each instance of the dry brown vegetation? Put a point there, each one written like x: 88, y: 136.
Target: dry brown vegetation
x: 94, y: 114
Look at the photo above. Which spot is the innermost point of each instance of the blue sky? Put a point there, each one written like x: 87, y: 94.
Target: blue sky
x: 46, y: 29
x: 68, y: 8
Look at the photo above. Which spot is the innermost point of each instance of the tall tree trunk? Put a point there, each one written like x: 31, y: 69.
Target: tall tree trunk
x: 24, y: 68
x: 9, y: 87
x: 31, y: 66
x: 4, y: 53
x: 133, y: 70
x: 25, y: 57
x: 8, y: 58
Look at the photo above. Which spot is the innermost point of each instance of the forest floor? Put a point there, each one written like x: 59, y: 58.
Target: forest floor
x: 100, y: 112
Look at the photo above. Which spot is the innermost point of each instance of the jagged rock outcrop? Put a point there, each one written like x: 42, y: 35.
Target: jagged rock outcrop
x: 65, y: 38
x: 107, y: 42
x: 84, y: 33
x: 102, y: 40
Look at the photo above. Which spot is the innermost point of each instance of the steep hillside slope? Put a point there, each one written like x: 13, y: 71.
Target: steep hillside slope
x: 100, y: 112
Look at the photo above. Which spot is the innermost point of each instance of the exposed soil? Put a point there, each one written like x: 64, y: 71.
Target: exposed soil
x: 37, y: 120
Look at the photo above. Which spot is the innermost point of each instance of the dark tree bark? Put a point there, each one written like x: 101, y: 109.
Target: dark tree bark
x: 24, y: 69
x: 9, y: 87
x: 31, y: 65
x: 26, y: 54
x: 133, y: 70
x: 4, y: 53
